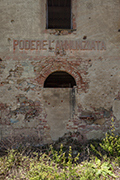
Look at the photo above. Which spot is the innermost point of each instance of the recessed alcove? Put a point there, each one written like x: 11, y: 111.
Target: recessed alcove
x: 59, y: 79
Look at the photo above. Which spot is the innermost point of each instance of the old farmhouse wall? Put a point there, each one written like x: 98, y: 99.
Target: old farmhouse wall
x: 87, y: 53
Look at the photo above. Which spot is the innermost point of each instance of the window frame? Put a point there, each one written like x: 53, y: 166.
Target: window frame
x: 71, y: 20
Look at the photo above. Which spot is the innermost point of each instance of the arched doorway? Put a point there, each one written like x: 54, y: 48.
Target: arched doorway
x: 59, y: 79
x: 59, y: 101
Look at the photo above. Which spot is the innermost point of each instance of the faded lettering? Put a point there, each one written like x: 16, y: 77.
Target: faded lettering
x: 58, y: 45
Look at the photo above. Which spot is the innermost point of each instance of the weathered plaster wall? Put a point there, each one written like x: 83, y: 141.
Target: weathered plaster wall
x: 57, y: 104
x: 22, y: 73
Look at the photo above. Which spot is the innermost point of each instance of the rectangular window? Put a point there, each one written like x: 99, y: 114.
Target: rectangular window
x: 59, y: 14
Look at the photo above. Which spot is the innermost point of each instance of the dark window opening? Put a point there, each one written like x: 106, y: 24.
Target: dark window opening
x: 59, y: 79
x: 59, y: 14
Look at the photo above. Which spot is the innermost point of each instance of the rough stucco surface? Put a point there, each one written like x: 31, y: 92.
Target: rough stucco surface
x: 57, y: 105
x: 23, y: 110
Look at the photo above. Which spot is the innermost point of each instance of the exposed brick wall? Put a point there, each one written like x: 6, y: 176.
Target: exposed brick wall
x: 23, y: 110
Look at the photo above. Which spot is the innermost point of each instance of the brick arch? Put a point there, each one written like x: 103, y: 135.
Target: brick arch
x: 54, y: 65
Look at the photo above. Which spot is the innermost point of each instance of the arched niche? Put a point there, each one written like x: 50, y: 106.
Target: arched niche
x: 59, y: 79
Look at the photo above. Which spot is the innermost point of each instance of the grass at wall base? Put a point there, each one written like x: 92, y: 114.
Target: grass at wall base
x: 103, y: 162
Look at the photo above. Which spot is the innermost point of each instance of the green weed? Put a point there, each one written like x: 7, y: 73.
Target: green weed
x: 60, y: 164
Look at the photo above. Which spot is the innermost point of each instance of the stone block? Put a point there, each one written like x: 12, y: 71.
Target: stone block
x: 95, y: 134
x: 116, y: 109
x: 100, y: 121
